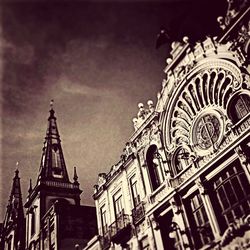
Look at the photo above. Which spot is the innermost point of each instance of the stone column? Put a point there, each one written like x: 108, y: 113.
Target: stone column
x: 179, y: 218
x: 154, y: 234
x: 243, y: 161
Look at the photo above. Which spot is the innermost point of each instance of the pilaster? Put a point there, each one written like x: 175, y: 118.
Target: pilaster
x: 208, y: 207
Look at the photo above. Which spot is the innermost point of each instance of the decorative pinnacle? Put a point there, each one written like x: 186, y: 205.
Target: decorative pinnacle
x: 75, y: 178
x: 30, y: 187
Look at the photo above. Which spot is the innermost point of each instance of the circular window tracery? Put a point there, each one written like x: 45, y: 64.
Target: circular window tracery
x: 208, y: 131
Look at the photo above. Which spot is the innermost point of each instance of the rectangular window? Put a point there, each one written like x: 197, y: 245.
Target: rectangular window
x: 134, y: 191
x: 118, y: 206
x: 201, y: 226
x: 104, y: 219
x: 232, y: 194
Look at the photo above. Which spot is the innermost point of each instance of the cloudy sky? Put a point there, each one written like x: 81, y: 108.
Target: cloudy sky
x: 97, y: 60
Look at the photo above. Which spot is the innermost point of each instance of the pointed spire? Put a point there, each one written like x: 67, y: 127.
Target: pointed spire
x: 15, y: 205
x: 16, y: 187
x: 14, y: 217
x: 52, y: 163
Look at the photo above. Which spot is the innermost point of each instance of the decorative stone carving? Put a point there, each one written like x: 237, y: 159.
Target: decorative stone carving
x: 201, y: 185
x: 176, y: 205
x: 101, y: 179
x: 242, y: 155
x: 96, y: 187
x: 155, y: 223
x: 135, y: 122
x: 151, y: 107
x: 234, y: 7
x: 143, y: 114
x: 141, y: 158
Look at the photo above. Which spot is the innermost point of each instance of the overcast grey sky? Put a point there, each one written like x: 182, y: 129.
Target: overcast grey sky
x: 97, y: 61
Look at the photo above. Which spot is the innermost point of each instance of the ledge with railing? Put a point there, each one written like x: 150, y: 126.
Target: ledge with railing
x: 242, y: 125
x: 105, y: 239
x: 62, y: 184
x: 120, y: 229
x: 138, y: 212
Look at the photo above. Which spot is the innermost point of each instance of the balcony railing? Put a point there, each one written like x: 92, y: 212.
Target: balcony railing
x: 242, y: 125
x: 61, y: 184
x: 138, y: 213
x: 120, y: 229
x: 105, y: 240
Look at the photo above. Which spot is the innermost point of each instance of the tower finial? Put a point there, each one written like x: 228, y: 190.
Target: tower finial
x: 51, y: 104
x: 17, y: 171
x: 52, y: 112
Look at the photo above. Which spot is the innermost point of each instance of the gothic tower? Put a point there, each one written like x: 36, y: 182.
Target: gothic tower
x: 52, y: 185
x: 13, y: 232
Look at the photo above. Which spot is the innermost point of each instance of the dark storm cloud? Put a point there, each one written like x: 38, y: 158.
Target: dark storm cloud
x: 97, y: 60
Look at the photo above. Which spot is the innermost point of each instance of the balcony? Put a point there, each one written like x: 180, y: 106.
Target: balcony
x: 120, y: 230
x: 105, y: 240
x: 138, y: 213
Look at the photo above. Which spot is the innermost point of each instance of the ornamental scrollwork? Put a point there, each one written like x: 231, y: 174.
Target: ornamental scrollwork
x: 208, y: 91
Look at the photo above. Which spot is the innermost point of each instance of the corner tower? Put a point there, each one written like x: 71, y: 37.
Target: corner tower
x: 52, y: 184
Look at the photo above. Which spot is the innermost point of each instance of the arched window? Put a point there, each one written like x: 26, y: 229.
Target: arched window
x: 181, y: 160
x: 154, y: 167
x: 56, y: 161
x: 239, y: 107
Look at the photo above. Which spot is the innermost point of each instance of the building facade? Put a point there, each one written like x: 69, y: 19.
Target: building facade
x: 183, y: 180
x: 54, y: 218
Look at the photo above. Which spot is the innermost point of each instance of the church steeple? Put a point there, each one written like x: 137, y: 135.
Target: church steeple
x: 14, y: 221
x: 52, y: 162
x: 53, y: 182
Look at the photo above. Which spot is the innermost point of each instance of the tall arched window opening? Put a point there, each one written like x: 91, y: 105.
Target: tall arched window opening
x: 239, y: 107
x: 181, y: 160
x: 154, y: 167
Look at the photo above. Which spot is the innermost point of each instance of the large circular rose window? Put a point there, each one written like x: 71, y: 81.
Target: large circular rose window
x: 207, y: 130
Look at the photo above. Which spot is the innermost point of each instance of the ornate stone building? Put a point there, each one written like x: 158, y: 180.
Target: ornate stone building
x: 183, y: 179
x: 54, y: 217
